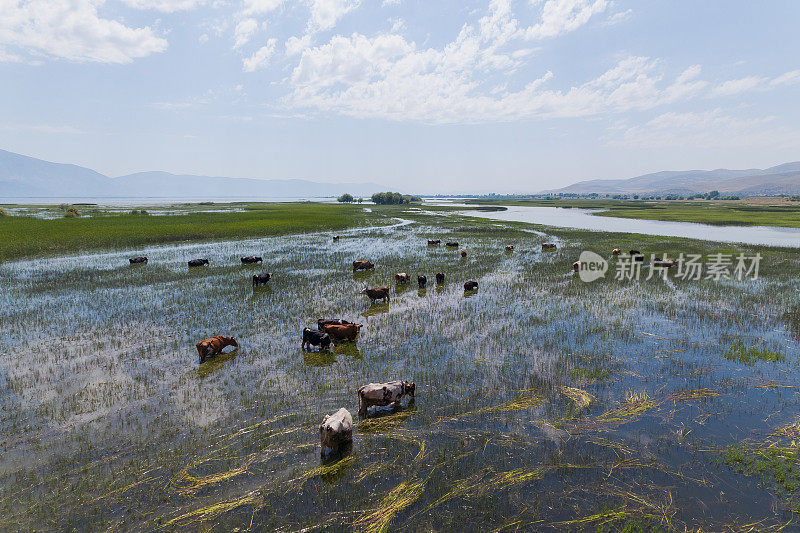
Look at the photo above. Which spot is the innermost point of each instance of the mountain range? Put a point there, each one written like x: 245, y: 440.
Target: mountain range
x: 781, y: 179
x: 23, y: 176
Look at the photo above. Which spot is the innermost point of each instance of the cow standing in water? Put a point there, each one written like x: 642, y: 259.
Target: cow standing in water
x: 470, y: 285
x: 433, y: 242
x: 422, y: 281
x: 402, y: 277
x: 331, y: 322
x: 251, y: 259
x: 383, y: 394
x: 198, y: 262
x: 214, y: 345
x: 463, y: 253
x: 262, y: 278
x: 138, y: 260
x: 509, y: 248
x: 440, y: 277
x: 378, y: 293
x: 451, y: 244
x: 362, y: 265
x: 335, y: 432
x: 315, y: 338
x: 348, y: 332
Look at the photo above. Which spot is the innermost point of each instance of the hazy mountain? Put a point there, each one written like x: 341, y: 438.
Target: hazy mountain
x: 781, y: 179
x: 27, y: 176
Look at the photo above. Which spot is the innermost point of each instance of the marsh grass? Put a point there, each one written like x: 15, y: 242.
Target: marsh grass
x: 561, y: 400
x: 750, y: 355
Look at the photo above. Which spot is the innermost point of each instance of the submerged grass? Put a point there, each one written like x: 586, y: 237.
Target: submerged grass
x: 398, y: 499
x: 526, y: 387
x: 750, y: 355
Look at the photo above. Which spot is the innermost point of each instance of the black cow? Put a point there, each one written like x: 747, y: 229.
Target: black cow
x: 258, y: 279
x: 198, y: 262
x: 315, y: 338
x: 433, y: 242
x: 137, y: 260
x: 251, y: 259
x: 422, y: 281
x: 470, y: 285
x: 440, y: 277
x: 637, y: 256
x: 451, y: 244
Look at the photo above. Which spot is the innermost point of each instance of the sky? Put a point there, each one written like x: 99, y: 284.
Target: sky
x: 424, y: 96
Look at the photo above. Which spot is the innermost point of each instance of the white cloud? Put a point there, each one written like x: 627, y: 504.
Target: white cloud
x: 561, y: 16
x: 706, y: 129
x: 387, y: 3
x: 165, y: 6
x: 260, y: 7
x: 295, y: 46
x: 260, y: 58
x: 789, y: 78
x: 244, y: 30
x: 326, y: 13
x: 741, y: 85
x: 619, y: 17
x: 73, y: 30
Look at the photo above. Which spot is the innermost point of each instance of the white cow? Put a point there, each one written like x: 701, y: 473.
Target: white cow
x: 335, y: 430
x: 382, y: 394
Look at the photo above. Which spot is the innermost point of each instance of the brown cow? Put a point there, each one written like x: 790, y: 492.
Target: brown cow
x: 214, y: 345
x: 362, y: 265
x: 402, y: 277
x: 665, y: 262
x: 463, y: 253
x: 548, y: 246
x: 378, y: 293
x: 198, y: 262
x: 616, y: 251
x: 433, y: 242
x: 348, y: 332
x: 576, y: 266
x: 509, y: 247
x: 382, y: 394
x: 470, y: 285
x: 251, y: 259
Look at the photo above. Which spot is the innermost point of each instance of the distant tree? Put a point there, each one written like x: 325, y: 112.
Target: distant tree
x: 3, y: 212
x: 345, y: 198
x: 713, y: 194
x: 360, y: 200
x: 393, y: 198
x: 71, y: 212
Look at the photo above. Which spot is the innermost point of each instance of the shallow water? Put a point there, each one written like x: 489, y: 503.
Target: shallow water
x: 108, y: 421
x: 584, y: 219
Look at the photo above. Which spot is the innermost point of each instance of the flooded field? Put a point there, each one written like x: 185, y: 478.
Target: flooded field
x: 542, y: 402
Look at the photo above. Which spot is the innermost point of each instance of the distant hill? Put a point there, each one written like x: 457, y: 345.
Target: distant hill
x: 22, y: 176
x: 781, y: 179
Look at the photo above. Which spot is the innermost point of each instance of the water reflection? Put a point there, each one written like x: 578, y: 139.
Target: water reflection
x: 584, y: 219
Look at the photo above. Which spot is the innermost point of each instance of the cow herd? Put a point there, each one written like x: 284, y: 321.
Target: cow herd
x: 336, y: 429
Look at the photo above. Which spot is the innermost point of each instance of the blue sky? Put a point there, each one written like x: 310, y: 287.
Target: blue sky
x: 499, y: 95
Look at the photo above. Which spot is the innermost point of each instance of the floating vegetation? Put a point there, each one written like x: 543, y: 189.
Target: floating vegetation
x: 695, y: 394
x: 750, y: 355
x: 581, y: 398
x: 322, y: 471
x: 635, y: 404
x: 210, y: 512
x: 398, y: 499
x: 186, y: 482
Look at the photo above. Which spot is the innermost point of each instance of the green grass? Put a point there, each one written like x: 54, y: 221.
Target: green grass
x: 31, y: 237
x: 751, y: 355
x: 714, y: 213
